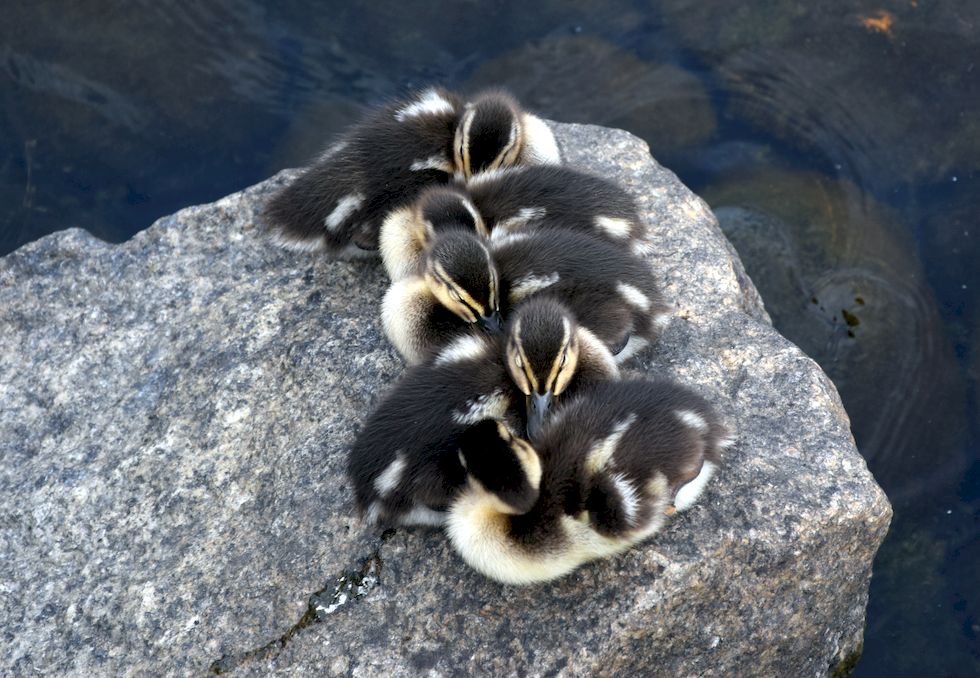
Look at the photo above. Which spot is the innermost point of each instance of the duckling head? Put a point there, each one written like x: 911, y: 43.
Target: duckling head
x: 461, y: 274
x: 543, y: 350
x: 442, y: 208
x: 489, y: 134
x: 501, y: 467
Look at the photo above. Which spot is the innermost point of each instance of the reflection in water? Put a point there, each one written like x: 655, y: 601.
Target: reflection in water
x: 839, y: 142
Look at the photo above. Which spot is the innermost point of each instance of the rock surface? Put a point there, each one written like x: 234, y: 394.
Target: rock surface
x: 175, y: 416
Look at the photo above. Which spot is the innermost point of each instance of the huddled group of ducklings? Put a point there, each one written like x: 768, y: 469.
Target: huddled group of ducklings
x: 518, y: 285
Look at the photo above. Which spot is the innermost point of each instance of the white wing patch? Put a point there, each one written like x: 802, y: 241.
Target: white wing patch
x: 727, y: 441
x: 489, y: 176
x: 467, y: 347
x: 641, y: 248
x: 388, y: 479
x: 633, y: 296
x: 346, y: 206
x: 430, y: 103
x: 617, y: 228
x: 436, y: 162
x: 602, y: 452
x: 423, y: 515
x: 295, y: 244
x: 630, y: 497
x: 688, y: 494
x: 488, y: 406
x: 333, y: 150
x: 530, y: 284
x: 500, y: 239
x: 692, y: 419
x: 524, y: 216
x: 634, y: 345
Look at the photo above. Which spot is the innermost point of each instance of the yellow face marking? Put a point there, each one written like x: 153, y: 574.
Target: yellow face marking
x: 517, y: 363
x: 529, y: 460
x: 422, y: 230
x: 566, y: 362
x: 525, y: 366
x: 451, y: 295
x: 479, y: 224
x: 493, y: 288
x: 560, y: 359
x: 461, y: 145
x: 508, y: 154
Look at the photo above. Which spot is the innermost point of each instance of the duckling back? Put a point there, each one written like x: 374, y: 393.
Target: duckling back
x: 554, y: 196
x: 337, y: 203
x: 646, y: 448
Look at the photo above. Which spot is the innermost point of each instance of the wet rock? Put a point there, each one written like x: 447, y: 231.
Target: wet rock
x: 176, y: 415
x: 840, y: 278
x: 662, y: 103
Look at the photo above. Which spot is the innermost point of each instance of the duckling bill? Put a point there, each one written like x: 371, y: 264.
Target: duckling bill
x: 601, y: 477
x: 338, y: 203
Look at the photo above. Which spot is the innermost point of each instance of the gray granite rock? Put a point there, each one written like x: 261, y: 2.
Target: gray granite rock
x: 175, y: 416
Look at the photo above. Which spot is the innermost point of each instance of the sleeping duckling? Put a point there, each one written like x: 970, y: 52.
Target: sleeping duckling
x: 383, y: 162
x: 494, y: 132
x: 602, y: 476
x: 456, y: 288
x: 407, y: 232
x: 404, y: 464
x: 607, y: 289
x: 497, y: 203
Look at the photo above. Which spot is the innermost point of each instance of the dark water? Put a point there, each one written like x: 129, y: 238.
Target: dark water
x: 838, y: 141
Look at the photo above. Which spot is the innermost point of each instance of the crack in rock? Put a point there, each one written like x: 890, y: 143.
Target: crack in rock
x: 346, y: 588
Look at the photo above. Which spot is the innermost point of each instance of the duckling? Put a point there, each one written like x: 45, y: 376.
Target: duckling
x: 456, y: 288
x: 404, y: 464
x: 509, y: 200
x: 407, y: 232
x: 337, y: 203
x: 494, y: 132
x: 607, y: 289
x: 601, y: 477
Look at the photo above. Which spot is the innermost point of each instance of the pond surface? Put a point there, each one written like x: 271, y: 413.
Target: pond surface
x: 839, y: 143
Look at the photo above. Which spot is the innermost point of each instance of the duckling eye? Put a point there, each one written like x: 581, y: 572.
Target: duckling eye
x: 564, y: 358
x: 519, y: 361
x: 455, y: 295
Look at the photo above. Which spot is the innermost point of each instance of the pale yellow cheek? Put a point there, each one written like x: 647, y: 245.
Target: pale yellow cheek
x: 519, y: 378
x: 463, y: 312
x: 565, y: 376
x: 457, y: 308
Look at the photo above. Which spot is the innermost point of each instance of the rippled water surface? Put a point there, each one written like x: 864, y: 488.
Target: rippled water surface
x: 839, y: 143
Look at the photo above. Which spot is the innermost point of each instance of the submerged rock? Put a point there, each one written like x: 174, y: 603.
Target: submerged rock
x: 840, y: 278
x: 176, y: 415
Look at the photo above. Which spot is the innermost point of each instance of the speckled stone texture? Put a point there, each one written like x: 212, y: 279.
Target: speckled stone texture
x: 174, y: 418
